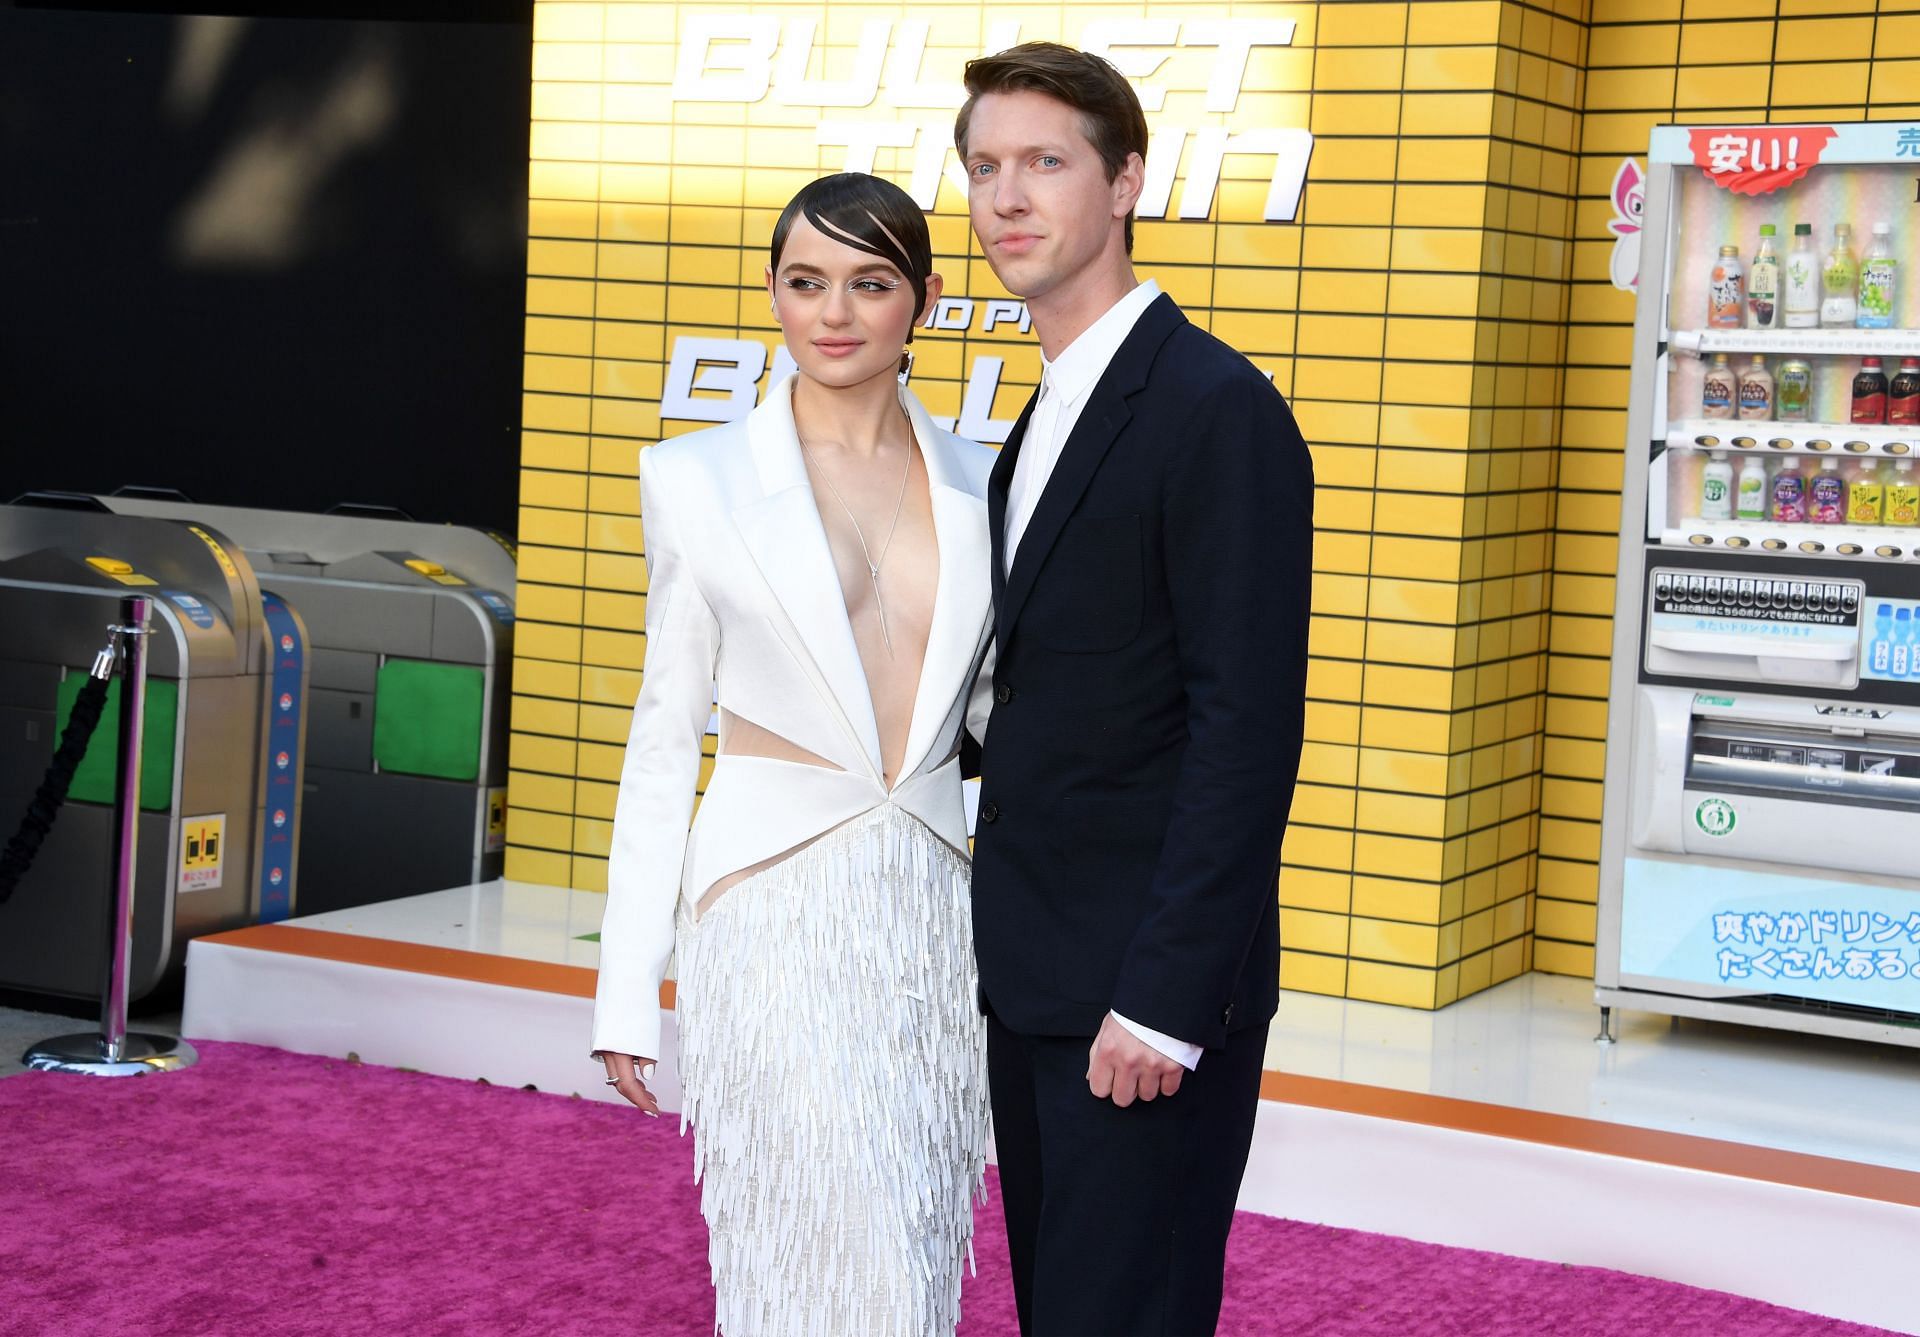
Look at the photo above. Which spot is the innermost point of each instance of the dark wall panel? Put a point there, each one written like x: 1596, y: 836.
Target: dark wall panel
x: 268, y: 261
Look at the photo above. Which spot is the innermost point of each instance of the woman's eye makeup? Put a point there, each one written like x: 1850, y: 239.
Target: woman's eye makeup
x: 865, y: 284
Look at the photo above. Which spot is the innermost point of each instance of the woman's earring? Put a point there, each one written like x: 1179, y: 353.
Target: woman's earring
x: 906, y: 364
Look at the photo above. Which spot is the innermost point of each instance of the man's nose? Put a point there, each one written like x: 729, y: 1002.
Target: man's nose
x: 1009, y: 198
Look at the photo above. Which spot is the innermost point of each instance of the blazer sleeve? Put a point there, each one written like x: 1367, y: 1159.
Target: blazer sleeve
x: 657, y: 780
x: 1238, y: 517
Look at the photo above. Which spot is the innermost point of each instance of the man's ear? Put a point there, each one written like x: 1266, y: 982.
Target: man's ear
x: 1128, y: 182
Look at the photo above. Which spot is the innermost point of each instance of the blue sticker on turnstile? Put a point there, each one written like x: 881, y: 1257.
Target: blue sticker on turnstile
x: 497, y: 604
x: 194, y: 610
x: 289, y: 653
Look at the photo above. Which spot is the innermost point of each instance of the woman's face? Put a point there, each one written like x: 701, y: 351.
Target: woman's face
x: 846, y: 314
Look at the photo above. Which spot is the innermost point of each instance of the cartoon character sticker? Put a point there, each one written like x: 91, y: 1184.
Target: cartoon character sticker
x: 1629, y: 203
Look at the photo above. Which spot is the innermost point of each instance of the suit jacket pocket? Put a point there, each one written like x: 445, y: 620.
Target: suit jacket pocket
x: 1089, y: 596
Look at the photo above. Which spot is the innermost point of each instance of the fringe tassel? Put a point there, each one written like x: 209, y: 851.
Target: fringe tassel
x: 835, y: 1076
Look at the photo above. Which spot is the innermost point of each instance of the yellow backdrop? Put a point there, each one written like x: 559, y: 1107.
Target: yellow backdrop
x: 1402, y: 211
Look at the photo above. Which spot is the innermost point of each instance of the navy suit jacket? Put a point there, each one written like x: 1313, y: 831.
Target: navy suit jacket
x: 1149, y: 698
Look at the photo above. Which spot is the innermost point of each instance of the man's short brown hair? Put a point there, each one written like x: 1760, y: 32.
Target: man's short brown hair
x: 1110, y: 114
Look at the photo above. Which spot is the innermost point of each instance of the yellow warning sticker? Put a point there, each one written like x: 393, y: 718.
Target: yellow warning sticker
x: 496, y: 819
x: 202, y: 851
x: 115, y: 569
x: 219, y: 553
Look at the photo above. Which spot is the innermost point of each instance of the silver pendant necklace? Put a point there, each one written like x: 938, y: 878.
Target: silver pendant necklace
x: 873, y: 565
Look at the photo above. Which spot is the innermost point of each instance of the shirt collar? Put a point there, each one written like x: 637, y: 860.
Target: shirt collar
x: 1082, y: 362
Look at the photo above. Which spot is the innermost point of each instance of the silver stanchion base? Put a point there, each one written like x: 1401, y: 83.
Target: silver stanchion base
x: 139, y: 1054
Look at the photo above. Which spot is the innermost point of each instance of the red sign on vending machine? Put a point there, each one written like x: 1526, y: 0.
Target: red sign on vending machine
x: 1756, y: 159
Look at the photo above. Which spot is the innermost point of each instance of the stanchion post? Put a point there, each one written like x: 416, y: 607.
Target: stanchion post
x: 113, y: 1052
x: 135, y: 612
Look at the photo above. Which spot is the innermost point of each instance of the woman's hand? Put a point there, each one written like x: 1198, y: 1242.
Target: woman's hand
x: 623, y: 1075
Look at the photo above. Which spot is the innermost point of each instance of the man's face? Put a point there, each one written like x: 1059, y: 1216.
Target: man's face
x: 1038, y: 192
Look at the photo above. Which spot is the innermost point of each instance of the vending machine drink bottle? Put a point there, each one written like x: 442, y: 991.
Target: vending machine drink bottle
x: 1760, y: 831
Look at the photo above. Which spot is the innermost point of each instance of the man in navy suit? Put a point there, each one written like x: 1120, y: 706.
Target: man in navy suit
x: 1152, y: 519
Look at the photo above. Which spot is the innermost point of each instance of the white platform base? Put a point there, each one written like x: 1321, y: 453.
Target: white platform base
x: 1801, y: 1244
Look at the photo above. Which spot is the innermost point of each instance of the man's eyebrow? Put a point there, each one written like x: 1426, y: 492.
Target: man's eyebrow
x: 1031, y: 148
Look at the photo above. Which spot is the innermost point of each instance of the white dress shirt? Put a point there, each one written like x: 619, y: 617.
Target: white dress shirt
x: 1066, y: 383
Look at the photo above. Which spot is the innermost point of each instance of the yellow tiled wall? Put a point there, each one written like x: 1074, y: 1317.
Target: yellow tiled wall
x: 1438, y: 311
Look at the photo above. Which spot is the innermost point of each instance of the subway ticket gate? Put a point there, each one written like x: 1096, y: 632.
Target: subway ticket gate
x: 219, y: 823
x: 412, y: 648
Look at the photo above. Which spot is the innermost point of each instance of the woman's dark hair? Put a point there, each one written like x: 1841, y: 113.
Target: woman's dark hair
x: 868, y: 213
x: 1110, y: 115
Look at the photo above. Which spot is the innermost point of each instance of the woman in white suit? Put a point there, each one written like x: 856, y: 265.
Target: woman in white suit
x: 817, y: 571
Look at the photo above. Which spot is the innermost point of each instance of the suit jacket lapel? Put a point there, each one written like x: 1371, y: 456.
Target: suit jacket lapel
x: 1106, y: 414
x: 999, y: 483
x: 784, y: 534
x: 961, y: 602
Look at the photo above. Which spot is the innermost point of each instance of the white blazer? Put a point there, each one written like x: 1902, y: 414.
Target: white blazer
x: 745, y: 611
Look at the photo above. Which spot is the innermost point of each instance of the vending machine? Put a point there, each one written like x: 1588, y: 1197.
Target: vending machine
x: 1760, y: 842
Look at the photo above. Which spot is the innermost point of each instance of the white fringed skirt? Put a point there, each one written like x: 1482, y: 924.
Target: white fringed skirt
x: 834, y: 1066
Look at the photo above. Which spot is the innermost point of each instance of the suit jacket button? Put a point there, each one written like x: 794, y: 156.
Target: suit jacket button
x: 989, y: 813
x: 1003, y: 694
x: 1226, y: 1015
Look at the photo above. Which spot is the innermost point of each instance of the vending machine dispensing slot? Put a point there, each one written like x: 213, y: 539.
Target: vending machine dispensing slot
x: 1775, y: 780
x: 1876, y: 770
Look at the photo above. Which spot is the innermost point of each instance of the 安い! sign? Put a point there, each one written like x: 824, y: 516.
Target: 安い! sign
x: 1758, y: 159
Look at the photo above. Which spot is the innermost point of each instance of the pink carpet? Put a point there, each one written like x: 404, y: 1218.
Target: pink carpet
x: 266, y: 1193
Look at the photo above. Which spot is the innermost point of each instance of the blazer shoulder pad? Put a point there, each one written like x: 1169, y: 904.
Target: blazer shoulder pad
x: 711, y: 456
x: 1205, y: 364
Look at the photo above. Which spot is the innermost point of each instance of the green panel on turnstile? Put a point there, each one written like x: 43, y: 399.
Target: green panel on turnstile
x: 93, y: 782
x: 426, y: 718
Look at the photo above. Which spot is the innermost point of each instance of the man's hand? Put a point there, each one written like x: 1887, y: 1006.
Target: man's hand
x: 1124, y: 1068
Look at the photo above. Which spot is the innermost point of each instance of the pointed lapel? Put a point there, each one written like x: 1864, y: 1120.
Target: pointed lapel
x: 1106, y: 414
x: 961, y: 601
x: 999, y: 483
x: 784, y: 533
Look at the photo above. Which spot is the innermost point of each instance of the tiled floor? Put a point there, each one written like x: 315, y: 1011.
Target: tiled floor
x: 1529, y: 1044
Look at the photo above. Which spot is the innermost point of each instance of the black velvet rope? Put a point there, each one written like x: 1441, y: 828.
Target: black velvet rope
x: 18, y: 857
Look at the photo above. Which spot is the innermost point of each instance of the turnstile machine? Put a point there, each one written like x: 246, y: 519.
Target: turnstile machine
x: 412, y: 650
x: 219, y: 827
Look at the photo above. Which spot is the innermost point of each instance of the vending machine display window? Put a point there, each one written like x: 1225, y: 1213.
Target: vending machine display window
x: 1760, y: 855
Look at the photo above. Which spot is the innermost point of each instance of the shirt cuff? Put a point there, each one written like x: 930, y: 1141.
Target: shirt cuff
x: 1186, y: 1055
